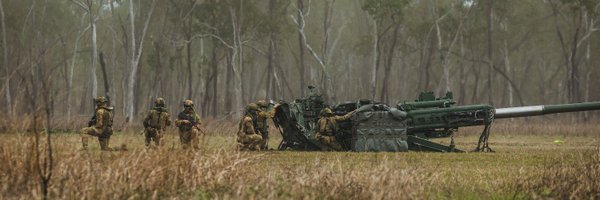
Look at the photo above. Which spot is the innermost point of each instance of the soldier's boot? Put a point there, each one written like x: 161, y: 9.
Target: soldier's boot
x: 263, y: 145
x: 84, y: 142
x: 240, y: 146
x: 186, y: 139
x: 195, y: 141
x: 147, y: 141
x: 84, y: 139
x: 182, y: 139
x: 333, y: 144
x: 158, y: 139
x: 257, y: 146
x: 104, y: 142
x: 265, y: 141
x: 336, y: 147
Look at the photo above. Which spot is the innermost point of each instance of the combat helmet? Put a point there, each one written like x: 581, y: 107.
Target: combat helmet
x: 262, y: 103
x: 251, y: 107
x: 326, y: 112
x: 101, y: 100
x: 159, y: 102
x: 188, y: 103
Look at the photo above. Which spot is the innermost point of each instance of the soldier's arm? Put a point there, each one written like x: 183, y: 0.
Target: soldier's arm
x: 179, y: 121
x: 248, y: 125
x: 321, y: 125
x: 100, y: 119
x: 197, y: 119
x: 147, y: 119
x: 168, y: 118
x: 266, y: 114
x: 345, y: 117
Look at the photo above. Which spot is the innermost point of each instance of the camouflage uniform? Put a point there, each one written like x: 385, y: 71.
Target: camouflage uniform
x: 101, y: 127
x: 188, y: 122
x: 262, y: 127
x: 156, y: 123
x: 327, y: 128
x: 247, y: 136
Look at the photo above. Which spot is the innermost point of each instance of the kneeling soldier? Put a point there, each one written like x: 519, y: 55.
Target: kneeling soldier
x: 262, y: 127
x: 100, y: 125
x: 327, y: 128
x: 188, y: 122
x: 247, y: 136
x: 156, y: 123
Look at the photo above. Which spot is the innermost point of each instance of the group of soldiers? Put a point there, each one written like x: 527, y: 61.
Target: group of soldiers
x: 155, y: 124
x: 253, y: 129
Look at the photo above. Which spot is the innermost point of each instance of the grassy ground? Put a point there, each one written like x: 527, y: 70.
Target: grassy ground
x: 527, y: 164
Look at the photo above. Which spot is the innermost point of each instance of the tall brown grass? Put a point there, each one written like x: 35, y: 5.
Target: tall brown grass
x: 566, y: 180
x: 214, y: 173
x: 218, y: 171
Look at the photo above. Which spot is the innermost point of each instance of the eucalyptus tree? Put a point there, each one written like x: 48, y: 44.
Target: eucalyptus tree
x: 388, y: 15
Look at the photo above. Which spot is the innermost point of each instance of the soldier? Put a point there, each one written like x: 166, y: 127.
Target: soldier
x: 188, y: 122
x: 262, y: 126
x: 247, y: 136
x: 100, y: 125
x: 156, y: 123
x: 327, y: 128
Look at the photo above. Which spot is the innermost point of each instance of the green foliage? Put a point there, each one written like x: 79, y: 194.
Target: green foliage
x: 589, y: 5
x: 384, y: 9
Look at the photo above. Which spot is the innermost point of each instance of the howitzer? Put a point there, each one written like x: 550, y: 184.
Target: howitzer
x: 406, y: 126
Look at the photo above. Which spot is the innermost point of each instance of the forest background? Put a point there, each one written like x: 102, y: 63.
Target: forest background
x: 59, y: 54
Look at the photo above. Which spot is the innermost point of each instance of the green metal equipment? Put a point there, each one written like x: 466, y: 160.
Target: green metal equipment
x: 406, y: 126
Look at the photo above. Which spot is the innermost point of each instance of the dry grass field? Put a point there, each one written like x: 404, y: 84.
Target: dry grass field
x: 527, y: 164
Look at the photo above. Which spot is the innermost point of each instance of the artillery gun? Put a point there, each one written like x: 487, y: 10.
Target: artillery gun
x: 406, y: 126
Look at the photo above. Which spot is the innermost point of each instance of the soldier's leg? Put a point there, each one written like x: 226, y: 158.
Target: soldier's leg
x: 240, y: 143
x: 104, y: 143
x: 265, y: 139
x: 85, y: 136
x: 255, y: 141
x: 194, y: 137
x: 158, y: 138
x: 323, y: 140
x: 333, y: 144
x: 147, y: 139
x: 185, y: 139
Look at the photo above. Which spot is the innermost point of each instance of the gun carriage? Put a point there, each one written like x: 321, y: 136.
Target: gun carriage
x: 406, y: 126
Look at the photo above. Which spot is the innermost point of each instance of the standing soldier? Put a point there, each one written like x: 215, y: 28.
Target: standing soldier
x: 100, y: 125
x: 247, y: 136
x: 261, y: 122
x: 327, y: 128
x: 188, y: 122
x: 156, y: 123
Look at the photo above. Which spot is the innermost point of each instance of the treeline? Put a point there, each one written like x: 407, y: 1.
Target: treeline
x: 57, y: 55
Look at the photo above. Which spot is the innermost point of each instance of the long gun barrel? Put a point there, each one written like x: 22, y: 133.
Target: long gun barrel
x: 525, y: 111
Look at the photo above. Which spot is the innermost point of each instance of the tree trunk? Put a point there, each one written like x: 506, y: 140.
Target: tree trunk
x: 388, y: 65
x: 188, y: 48
x: 237, y: 56
x: 215, y: 65
x: 443, y: 60
x: 229, y: 79
x: 300, y: 5
x: 490, y: 54
x: 135, y: 58
x: 375, y: 67
x: 463, y: 94
x: 508, y: 73
x: 300, y: 22
x: 134, y: 66
x: 5, y: 63
x: 94, y: 55
x: 573, y: 72
x: 104, y: 75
